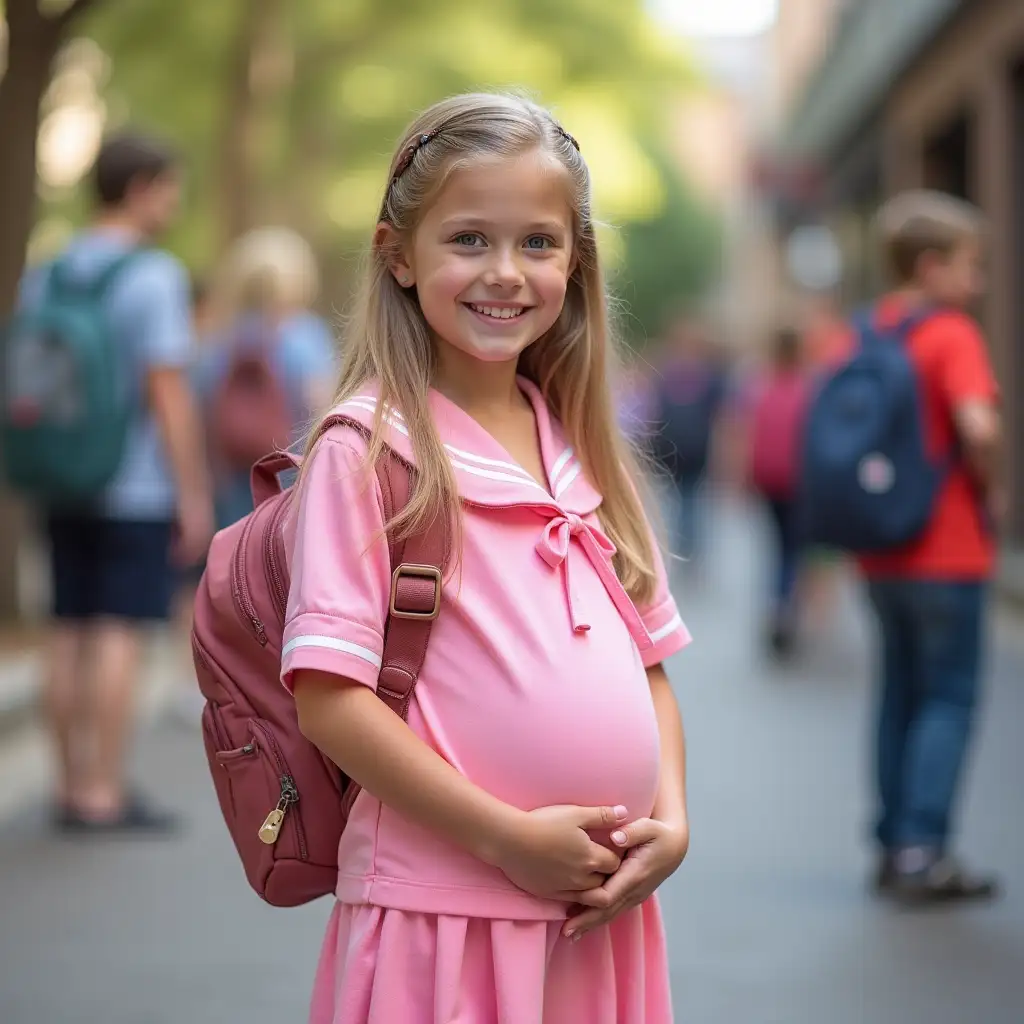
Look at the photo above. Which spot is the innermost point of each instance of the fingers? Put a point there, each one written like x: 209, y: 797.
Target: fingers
x: 578, y: 926
x: 590, y: 883
x: 604, y: 903
x: 643, y: 830
x: 604, y: 860
x: 601, y: 817
x: 598, y: 898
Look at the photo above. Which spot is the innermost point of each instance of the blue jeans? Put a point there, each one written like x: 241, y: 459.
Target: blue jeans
x: 787, y: 555
x: 932, y: 635
x: 690, y: 517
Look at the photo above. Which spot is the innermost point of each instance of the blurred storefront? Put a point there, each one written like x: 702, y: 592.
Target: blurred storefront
x: 922, y: 93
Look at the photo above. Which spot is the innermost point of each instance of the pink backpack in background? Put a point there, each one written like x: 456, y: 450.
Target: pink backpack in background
x: 777, y: 424
x: 284, y: 803
x: 250, y: 410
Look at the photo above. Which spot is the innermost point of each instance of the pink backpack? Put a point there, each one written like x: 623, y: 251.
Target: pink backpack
x: 780, y: 407
x: 284, y: 803
x: 250, y: 411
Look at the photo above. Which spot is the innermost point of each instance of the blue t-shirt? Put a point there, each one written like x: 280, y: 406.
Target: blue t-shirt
x: 149, y: 311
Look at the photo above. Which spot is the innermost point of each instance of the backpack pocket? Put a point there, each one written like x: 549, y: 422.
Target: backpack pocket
x: 257, y: 796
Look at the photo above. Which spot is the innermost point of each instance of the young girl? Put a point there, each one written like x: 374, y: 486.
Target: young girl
x: 500, y: 861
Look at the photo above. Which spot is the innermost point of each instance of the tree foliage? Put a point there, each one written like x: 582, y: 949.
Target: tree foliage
x: 668, y: 261
x: 287, y: 110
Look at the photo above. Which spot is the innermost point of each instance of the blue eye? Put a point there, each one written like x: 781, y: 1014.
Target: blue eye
x: 469, y: 239
x: 538, y: 242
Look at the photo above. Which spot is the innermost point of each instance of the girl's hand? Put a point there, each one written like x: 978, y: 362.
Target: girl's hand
x: 655, y: 850
x: 548, y: 853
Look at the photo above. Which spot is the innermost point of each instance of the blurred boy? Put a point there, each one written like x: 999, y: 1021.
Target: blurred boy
x: 930, y: 595
x: 112, y: 561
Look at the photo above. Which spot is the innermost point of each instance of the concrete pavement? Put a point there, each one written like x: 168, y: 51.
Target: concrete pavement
x: 768, y: 920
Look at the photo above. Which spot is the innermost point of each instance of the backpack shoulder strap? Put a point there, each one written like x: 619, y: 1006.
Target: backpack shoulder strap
x: 417, y: 564
x: 114, y: 269
x: 417, y: 570
x: 59, y: 278
x: 864, y: 326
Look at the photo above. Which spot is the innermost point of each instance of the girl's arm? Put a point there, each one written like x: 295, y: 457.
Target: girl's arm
x: 546, y: 852
x: 670, y: 804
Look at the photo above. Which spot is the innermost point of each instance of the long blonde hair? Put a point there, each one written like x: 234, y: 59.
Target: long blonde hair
x: 388, y: 340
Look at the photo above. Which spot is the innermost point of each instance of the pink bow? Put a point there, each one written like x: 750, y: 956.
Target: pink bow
x: 554, y: 547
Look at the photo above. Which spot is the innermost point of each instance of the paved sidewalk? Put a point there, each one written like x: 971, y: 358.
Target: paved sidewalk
x: 768, y: 920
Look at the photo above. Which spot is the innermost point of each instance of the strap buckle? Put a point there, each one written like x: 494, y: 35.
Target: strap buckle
x: 430, y: 572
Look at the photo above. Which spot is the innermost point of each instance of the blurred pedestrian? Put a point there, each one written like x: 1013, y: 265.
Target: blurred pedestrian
x: 269, y: 365
x: 478, y: 350
x: 777, y: 414
x: 112, y: 570
x: 690, y: 388
x: 924, y: 474
x: 825, y: 339
x: 634, y: 399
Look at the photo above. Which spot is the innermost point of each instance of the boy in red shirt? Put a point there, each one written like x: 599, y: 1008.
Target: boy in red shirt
x: 930, y: 596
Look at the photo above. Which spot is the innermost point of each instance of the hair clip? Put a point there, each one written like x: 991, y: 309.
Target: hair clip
x: 409, y: 152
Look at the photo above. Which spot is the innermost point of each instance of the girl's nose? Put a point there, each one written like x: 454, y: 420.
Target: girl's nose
x: 504, y: 270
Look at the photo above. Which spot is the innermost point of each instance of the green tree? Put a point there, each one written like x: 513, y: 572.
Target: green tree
x: 668, y: 259
x: 288, y: 111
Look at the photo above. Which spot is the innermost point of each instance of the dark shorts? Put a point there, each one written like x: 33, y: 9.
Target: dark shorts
x: 111, y: 568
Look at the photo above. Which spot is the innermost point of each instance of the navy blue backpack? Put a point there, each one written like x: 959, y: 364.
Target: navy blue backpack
x: 867, y: 480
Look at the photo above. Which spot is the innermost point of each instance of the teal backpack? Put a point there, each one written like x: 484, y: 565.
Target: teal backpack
x: 65, y: 413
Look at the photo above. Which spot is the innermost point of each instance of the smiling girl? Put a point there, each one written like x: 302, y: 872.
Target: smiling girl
x: 501, y: 859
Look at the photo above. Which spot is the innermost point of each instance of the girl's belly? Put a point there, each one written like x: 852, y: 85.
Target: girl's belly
x: 584, y: 735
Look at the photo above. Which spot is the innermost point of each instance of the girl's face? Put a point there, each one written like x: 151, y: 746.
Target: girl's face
x: 491, y: 258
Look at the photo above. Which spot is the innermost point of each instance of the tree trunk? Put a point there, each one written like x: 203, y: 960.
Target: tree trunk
x: 31, y: 48
x: 249, y: 88
x: 32, y: 42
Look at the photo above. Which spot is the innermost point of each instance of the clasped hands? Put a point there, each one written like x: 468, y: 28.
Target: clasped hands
x: 549, y: 854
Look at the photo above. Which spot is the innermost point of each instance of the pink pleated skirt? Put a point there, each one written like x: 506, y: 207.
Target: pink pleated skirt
x: 383, y: 966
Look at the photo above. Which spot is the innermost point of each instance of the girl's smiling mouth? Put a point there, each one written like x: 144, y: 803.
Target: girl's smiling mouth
x: 495, y: 312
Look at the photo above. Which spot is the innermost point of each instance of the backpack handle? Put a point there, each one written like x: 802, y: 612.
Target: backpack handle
x: 263, y: 479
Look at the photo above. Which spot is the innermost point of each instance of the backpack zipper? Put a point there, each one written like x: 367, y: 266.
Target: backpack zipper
x: 271, y: 827
x: 240, y: 589
x: 275, y: 576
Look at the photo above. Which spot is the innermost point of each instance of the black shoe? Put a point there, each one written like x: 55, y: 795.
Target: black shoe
x: 937, y: 880
x: 136, y: 816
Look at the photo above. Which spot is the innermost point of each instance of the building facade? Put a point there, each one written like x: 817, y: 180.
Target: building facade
x: 926, y: 93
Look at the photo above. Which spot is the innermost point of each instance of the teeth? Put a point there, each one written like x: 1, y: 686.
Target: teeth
x: 499, y: 312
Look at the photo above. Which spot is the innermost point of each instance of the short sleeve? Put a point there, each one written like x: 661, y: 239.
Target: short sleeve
x: 963, y: 369
x: 339, y: 564
x: 160, y: 310
x: 661, y: 618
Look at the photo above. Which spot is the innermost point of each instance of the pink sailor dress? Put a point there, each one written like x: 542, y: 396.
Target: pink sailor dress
x: 534, y: 687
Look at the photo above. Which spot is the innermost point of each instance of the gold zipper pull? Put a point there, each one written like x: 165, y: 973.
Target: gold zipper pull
x: 271, y: 827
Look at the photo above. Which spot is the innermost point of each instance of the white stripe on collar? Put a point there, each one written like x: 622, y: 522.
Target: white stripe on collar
x: 392, y: 418
x: 560, y: 464
x: 495, y: 475
x: 566, y: 481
